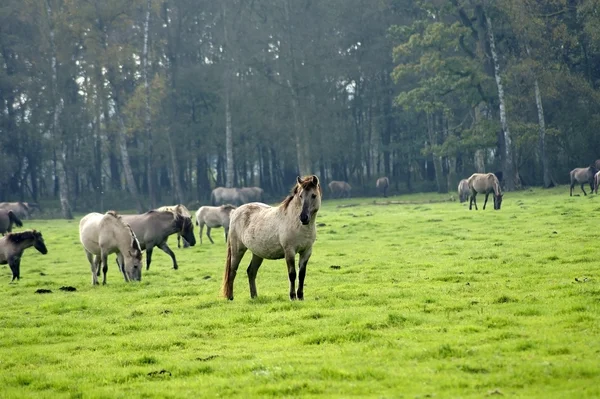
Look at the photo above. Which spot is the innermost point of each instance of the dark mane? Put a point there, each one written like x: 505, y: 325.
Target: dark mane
x: 114, y: 214
x: 22, y: 236
x: 305, y: 183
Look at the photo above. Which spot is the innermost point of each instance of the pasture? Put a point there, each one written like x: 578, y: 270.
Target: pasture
x: 414, y: 300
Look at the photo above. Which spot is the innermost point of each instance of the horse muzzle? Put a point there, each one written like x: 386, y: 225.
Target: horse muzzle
x: 304, y: 219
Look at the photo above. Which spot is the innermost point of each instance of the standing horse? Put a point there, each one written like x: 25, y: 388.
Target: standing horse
x: 383, y: 183
x: 485, y: 183
x: 153, y: 228
x: 463, y: 190
x: 7, y: 219
x: 251, y: 194
x: 213, y: 216
x: 274, y: 233
x: 21, y: 209
x: 339, y: 189
x: 182, y: 210
x: 222, y: 196
x: 582, y: 176
x: 102, y: 235
x: 13, y: 245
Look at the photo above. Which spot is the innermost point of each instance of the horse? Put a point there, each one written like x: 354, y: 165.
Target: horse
x: 582, y: 176
x: 182, y: 210
x: 251, y: 194
x: 105, y: 234
x: 274, y: 233
x: 596, y: 181
x: 485, y: 183
x: 222, y: 196
x: 383, y: 183
x: 7, y: 219
x: 153, y: 228
x: 213, y: 216
x: 463, y: 190
x: 339, y: 189
x: 21, y: 209
x: 13, y: 245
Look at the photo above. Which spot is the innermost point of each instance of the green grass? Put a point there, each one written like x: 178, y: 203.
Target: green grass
x: 425, y: 300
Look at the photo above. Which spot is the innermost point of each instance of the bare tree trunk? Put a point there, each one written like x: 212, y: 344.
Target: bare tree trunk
x: 175, y: 166
x: 56, y: 130
x: 227, y: 79
x: 511, y: 178
x: 437, y: 159
x: 148, y: 113
x: 131, y: 185
x: 548, y: 180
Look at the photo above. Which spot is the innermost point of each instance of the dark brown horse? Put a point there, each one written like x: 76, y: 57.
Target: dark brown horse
x: 485, y: 183
x: 582, y: 176
x: 7, y: 219
x: 13, y: 245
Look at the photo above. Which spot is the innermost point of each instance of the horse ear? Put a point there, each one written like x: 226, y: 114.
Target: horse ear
x: 299, y: 180
x: 315, y: 180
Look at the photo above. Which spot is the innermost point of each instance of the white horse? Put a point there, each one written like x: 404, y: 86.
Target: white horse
x: 181, y: 210
x: 102, y: 235
x: 274, y: 233
x: 213, y: 216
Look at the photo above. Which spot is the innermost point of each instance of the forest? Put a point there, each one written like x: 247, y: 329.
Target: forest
x: 135, y: 104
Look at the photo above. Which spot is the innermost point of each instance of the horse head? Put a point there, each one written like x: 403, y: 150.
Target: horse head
x: 133, y: 260
x: 308, y: 191
x: 498, y: 201
x: 38, y: 242
x: 186, y: 228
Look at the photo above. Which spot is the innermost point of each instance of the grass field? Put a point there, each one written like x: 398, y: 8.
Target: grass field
x: 420, y: 300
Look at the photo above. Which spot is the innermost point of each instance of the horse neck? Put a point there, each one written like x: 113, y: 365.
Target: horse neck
x: 24, y: 244
x: 496, y: 187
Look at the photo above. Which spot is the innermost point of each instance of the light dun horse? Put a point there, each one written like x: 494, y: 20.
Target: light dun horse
x: 596, y: 181
x: 222, y: 196
x: 183, y: 211
x: 463, y: 190
x: 213, y: 216
x: 339, y: 189
x: 102, y: 235
x: 383, y: 183
x: 153, y: 228
x: 274, y: 233
x: 13, y: 245
x: 582, y: 176
x: 252, y: 194
x: 485, y: 183
x: 7, y: 219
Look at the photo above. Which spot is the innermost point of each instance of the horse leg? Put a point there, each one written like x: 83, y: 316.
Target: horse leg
x: 200, y: 232
x: 168, y: 251
x: 252, y: 271
x: 571, y: 190
x: 485, y: 202
x: 302, y: 262
x: 93, y: 266
x: 208, y: 234
x: 473, y: 201
x: 15, y: 267
x: 121, y: 262
x: 148, y: 257
x: 104, y: 266
x: 290, y: 260
x: 178, y: 240
x: 582, y: 189
x: 234, y: 257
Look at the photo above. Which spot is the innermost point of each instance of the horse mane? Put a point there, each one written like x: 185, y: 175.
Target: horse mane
x: 23, y: 235
x: 227, y: 206
x: 305, y: 183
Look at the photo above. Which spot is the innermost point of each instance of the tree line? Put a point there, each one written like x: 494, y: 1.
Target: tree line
x: 144, y: 102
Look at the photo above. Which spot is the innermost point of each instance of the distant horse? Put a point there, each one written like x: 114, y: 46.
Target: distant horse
x: 7, y: 219
x: 213, y: 216
x: 182, y: 210
x: 485, y: 183
x: 582, y: 176
x: 339, y: 189
x: 274, y: 233
x: 383, y: 183
x: 251, y: 194
x: 13, y: 245
x: 222, y: 196
x: 102, y: 235
x: 21, y: 209
x: 463, y: 190
x: 596, y: 181
x: 153, y: 228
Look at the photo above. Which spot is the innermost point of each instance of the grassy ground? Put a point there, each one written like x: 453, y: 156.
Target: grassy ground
x: 402, y: 300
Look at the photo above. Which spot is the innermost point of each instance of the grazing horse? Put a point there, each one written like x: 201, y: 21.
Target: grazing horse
x: 7, y: 219
x: 274, y: 233
x: 251, y: 194
x: 463, y: 190
x: 21, y: 209
x: 102, y: 235
x: 213, y: 216
x: 222, y: 196
x: 383, y: 183
x: 339, y: 189
x: 153, y: 228
x: 182, y: 210
x: 13, y: 245
x: 582, y: 176
x: 485, y: 183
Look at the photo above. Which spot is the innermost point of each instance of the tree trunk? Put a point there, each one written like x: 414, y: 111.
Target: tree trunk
x: 511, y: 180
x: 131, y: 185
x: 227, y: 80
x: 437, y: 159
x: 548, y: 180
x: 63, y: 190
x: 148, y: 112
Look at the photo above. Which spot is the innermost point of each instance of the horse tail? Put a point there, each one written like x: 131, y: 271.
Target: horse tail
x: 13, y: 218
x: 225, y: 288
